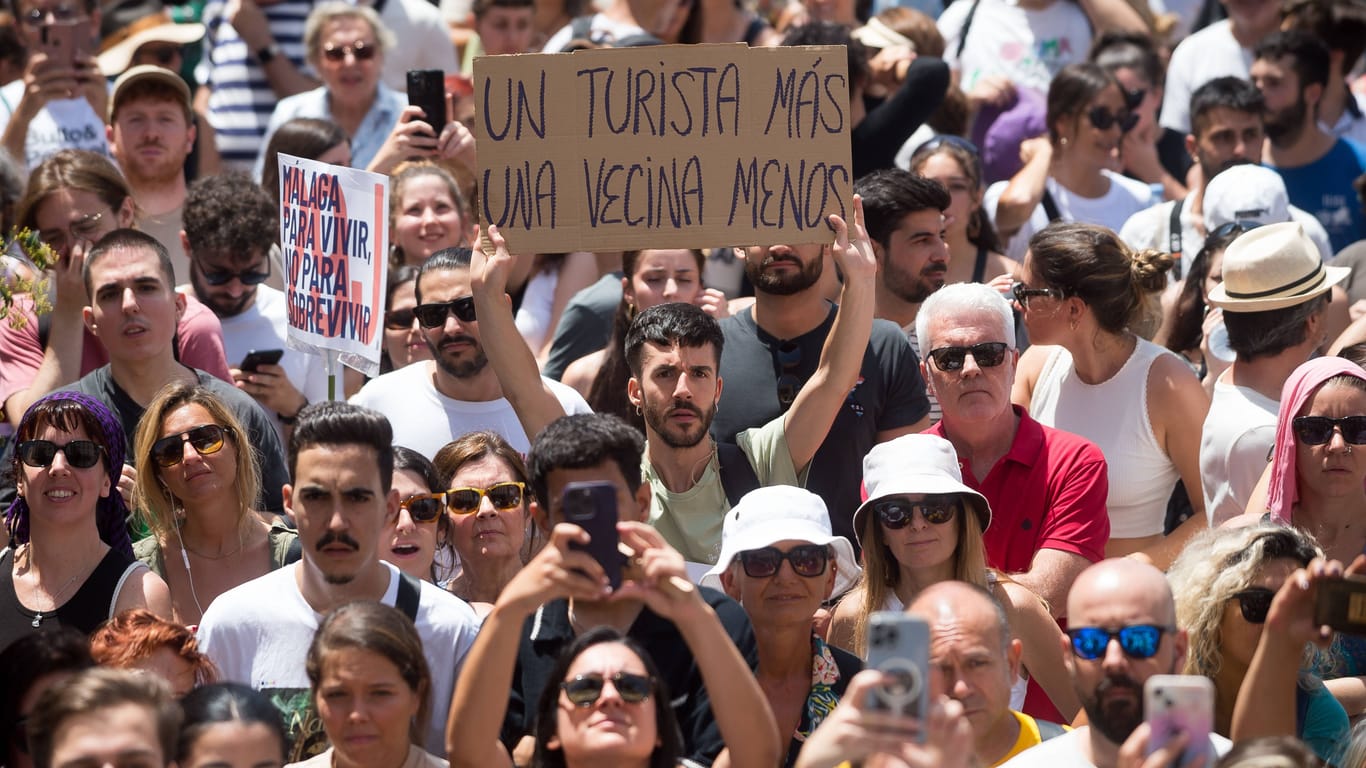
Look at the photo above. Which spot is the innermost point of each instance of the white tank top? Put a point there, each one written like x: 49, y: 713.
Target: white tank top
x: 1114, y: 416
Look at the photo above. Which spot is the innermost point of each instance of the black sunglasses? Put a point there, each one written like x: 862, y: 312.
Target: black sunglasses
x: 896, y: 514
x: 423, y: 507
x: 161, y: 54
x: 62, y: 13
x: 1023, y: 293
x: 400, y: 319
x: 1233, y: 228
x: 1103, y: 119
x: 81, y: 454
x: 246, y: 277
x: 503, y: 496
x: 434, y: 315
x: 789, y: 355
x: 1138, y: 641
x: 585, y: 690
x: 206, y: 440
x: 1135, y: 97
x: 1254, y: 603
x: 987, y: 355
x: 361, y: 50
x: 1317, y: 430
x: 807, y: 560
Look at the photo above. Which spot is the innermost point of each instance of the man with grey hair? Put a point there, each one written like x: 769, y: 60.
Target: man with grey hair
x: 1047, y: 487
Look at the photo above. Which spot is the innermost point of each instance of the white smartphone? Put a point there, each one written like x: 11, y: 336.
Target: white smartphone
x: 1177, y: 704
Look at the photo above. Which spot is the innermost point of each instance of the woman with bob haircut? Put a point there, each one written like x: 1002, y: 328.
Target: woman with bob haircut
x: 198, y: 479
x: 229, y: 725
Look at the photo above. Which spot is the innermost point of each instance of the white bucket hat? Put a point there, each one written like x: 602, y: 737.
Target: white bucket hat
x: 776, y: 513
x: 1273, y: 267
x: 916, y: 464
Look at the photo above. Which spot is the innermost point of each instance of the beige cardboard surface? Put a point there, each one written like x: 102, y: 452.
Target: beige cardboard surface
x: 680, y: 146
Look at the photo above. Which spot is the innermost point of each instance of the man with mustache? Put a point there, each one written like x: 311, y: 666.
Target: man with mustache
x: 1122, y: 632
x: 341, y: 459
x: 151, y: 131
x: 432, y: 403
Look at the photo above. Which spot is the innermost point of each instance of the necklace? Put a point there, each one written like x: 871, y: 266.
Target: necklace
x: 241, y: 543
x: 38, y: 616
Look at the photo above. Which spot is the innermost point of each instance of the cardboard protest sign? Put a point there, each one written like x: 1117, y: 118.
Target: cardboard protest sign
x: 679, y: 146
x: 334, y: 233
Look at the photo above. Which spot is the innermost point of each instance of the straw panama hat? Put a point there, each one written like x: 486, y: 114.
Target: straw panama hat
x: 1273, y: 267
x: 131, y: 24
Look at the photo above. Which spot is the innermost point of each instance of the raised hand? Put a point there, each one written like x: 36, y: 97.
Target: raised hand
x: 853, y: 250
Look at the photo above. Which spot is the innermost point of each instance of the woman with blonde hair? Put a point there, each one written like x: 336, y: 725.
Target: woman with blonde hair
x: 922, y: 525
x: 1089, y: 304
x: 197, y: 483
x: 427, y: 213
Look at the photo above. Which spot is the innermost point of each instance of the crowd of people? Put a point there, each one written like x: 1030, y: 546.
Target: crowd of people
x: 1073, y: 393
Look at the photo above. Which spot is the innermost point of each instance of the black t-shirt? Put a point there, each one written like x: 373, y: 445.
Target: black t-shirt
x: 548, y: 632
x: 86, y: 610
x: 889, y: 394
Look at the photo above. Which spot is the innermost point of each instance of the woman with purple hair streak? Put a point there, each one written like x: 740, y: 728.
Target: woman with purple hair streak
x: 70, y: 560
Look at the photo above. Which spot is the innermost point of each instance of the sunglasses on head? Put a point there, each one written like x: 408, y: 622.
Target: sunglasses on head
x: 1233, y: 228
x: 1317, y: 430
x: 987, y: 355
x: 424, y: 507
x: 1103, y: 119
x: 206, y: 440
x: 789, y: 355
x: 807, y: 560
x: 400, y: 319
x: 585, y: 690
x: 434, y: 315
x: 81, y: 454
x: 1254, y: 602
x: 362, y: 50
x: 896, y: 514
x: 1023, y: 293
x: 1138, y: 641
x: 245, y: 277
x: 503, y: 496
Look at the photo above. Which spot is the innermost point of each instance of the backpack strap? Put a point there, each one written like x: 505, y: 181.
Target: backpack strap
x: 737, y: 476
x: 963, y: 34
x: 409, y: 595
x: 1174, y: 236
x: 1050, y: 206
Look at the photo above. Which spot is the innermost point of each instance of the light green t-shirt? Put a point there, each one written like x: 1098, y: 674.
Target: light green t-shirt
x: 690, y: 521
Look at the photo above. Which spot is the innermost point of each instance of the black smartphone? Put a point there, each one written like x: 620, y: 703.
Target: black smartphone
x: 593, y: 507
x: 259, y: 357
x: 899, y: 646
x: 1342, y: 605
x: 427, y: 89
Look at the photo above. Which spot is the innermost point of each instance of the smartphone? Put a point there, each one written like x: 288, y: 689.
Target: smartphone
x: 427, y: 89
x: 899, y: 645
x: 259, y: 357
x: 1342, y: 605
x: 593, y: 507
x: 1177, y: 704
x: 65, y: 42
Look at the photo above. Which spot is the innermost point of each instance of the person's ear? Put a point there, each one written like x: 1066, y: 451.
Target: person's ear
x: 716, y: 401
x: 180, y: 304
x: 1312, y: 95
x: 1192, y: 146
x: 540, y: 515
x: 831, y: 574
x: 109, y: 139
x: 287, y: 495
x: 643, y: 502
x: 728, y: 584
x: 190, y: 133
x: 929, y: 380
x: 879, y: 254
x: 633, y: 392
x: 1014, y: 652
x: 127, y: 212
x: 1180, y: 644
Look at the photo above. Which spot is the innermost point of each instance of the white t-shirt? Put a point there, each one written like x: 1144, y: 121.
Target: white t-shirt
x: 1065, y: 752
x: 1125, y: 198
x: 538, y: 303
x: 1027, y: 46
x: 424, y: 42
x: 1212, y: 52
x: 258, y: 635
x: 263, y: 326
x: 1235, y: 445
x: 61, y: 124
x: 425, y: 420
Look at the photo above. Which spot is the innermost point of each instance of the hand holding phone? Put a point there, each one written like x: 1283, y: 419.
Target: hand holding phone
x: 259, y: 357
x: 427, y: 91
x: 593, y: 507
x: 1341, y: 604
x: 899, y: 647
x: 1179, y: 704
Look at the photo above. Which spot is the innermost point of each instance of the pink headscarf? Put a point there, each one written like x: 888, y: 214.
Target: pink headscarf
x: 1284, y: 491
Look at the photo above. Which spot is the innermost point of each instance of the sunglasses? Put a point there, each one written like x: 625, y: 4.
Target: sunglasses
x: 206, y: 440
x: 247, y: 277
x: 434, y: 315
x: 1317, y: 430
x: 1139, y: 641
x: 1135, y: 97
x: 423, y: 507
x: 896, y: 514
x: 400, y: 319
x: 503, y: 496
x: 987, y: 355
x: 161, y: 54
x: 585, y: 690
x: 60, y: 14
x: 807, y: 560
x: 789, y: 384
x: 1233, y: 228
x: 1103, y: 119
x: 81, y: 454
x: 1254, y: 603
x: 1023, y: 293
x: 362, y: 50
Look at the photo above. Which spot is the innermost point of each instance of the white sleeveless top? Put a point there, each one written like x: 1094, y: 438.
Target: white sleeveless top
x: 1114, y: 416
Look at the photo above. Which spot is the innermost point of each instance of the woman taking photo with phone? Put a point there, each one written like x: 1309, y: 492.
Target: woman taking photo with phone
x: 69, y: 561
x: 198, y: 480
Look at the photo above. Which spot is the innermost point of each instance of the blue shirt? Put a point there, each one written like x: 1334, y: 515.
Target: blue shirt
x: 374, y: 129
x: 1324, y: 188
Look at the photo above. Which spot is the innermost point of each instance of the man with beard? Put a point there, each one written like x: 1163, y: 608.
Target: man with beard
x: 1123, y: 631
x: 432, y: 403
x: 341, y: 460
x: 230, y: 227
x: 151, y: 131
x: 772, y: 353
x: 1291, y: 70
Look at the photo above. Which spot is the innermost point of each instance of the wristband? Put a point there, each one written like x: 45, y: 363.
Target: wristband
x: 289, y: 420
x: 268, y: 54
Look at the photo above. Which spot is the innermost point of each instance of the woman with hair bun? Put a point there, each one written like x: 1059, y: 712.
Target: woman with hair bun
x: 1089, y: 303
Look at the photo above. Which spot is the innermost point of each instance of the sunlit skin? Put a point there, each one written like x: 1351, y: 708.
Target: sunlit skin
x: 338, y: 503
x: 923, y: 547
x: 663, y: 276
x: 171, y: 667
x: 1238, y: 640
x: 124, y: 735
x: 973, y: 393
x: 133, y: 309
x: 489, y: 533
x: 428, y: 219
x: 60, y: 494
x: 505, y: 30
x: 406, y: 543
x: 235, y: 744
x: 233, y: 297
x: 1335, y: 468
x: 1087, y: 145
x: 678, y: 391
x: 610, y: 731
x: 69, y: 215
x: 351, y: 83
x: 785, y: 598
x: 406, y: 346
x: 366, y: 708
x: 150, y: 138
